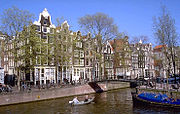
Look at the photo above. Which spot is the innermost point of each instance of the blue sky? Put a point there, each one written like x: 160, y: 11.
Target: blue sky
x: 134, y: 17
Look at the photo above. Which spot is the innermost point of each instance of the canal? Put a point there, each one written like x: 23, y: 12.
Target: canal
x: 112, y: 102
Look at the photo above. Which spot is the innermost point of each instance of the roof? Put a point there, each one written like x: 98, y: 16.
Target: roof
x: 159, y: 46
x: 119, y: 44
x: 45, y: 14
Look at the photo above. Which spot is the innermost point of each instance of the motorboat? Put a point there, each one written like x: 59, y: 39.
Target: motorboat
x: 155, y: 99
x: 82, y: 102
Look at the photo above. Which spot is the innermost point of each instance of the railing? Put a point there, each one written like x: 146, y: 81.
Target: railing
x: 33, y: 88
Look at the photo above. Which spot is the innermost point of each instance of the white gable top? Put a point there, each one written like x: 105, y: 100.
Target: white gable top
x: 65, y: 24
x: 140, y: 41
x: 108, y: 43
x: 45, y: 14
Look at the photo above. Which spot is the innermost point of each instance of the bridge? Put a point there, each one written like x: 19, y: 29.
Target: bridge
x: 94, y: 84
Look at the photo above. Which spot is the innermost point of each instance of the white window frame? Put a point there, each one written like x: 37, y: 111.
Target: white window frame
x: 76, y: 53
x: 81, y: 61
x: 81, y: 54
x: 44, y: 30
x: 44, y: 38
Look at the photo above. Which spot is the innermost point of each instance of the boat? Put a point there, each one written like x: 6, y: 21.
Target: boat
x: 82, y: 102
x: 155, y: 99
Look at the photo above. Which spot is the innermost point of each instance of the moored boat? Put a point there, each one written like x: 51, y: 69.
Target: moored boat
x: 154, y: 99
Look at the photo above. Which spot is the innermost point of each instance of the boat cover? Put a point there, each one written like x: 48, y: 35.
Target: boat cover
x: 158, y: 98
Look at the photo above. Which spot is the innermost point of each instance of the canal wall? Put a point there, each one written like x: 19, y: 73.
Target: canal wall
x: 24, y: 97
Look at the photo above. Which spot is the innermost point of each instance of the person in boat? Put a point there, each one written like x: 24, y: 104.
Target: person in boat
x: 75, y: 100
x: 86, y: 98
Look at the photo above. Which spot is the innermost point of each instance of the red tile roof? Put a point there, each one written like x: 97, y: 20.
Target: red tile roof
x: 159, y: 46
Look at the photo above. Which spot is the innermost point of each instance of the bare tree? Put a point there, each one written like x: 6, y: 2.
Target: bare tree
x: 102, y: 28
x: 121, y: 54
x: 13, y: 21
x: 99, y: 24
x: 63, y: 44
x: 165, y: 33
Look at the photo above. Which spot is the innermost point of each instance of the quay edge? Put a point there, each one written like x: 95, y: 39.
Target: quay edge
x: 21, y: 98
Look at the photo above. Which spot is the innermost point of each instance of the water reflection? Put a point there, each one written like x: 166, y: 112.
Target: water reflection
x: 112, y: 102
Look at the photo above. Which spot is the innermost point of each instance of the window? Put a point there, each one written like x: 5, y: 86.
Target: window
x: 79, y: 44
x: 51, y: 30
x: 78, y: 72
x: 44, y: 38
x: 76, y: 61
x: 109, y: 50
x: 52, y: 72
x: 65, y: 30
x: 38, y: 35
x: 42, y: 70
x: 38, y: 61
x: 106, y: 64
x: 64, y: 38
x: 45, y: 22
x: 46, y: 61
x: 44, y: 29
x: 91, y: 61
x: 51, y: 61
x: 51, y: 51
x: 44, y: 50
x: 50, y: 39
x: 59, y: 36
x: 47, y: 71
x: 87, y: 45
x: 87, y: 53
x: 38, y: 28
x: 81, y: 54
x: 65, y: 48
x: 110, y: 64
x: 38, y: 48
x: 74, y: 72
x: 81, y: 61
x: 76, y: 53
x: 87, y: 61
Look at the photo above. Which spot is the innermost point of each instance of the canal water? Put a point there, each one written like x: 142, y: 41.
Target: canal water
x: 112, y: 102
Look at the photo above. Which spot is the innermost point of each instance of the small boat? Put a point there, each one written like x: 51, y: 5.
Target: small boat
x: 153, y: 99
x: 82, y: 102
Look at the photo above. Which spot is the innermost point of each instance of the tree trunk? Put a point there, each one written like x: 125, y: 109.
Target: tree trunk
x: 18, y: 80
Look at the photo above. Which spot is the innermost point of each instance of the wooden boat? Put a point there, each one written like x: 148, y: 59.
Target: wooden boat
x: 82, y: 102
x: 157, y: 100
